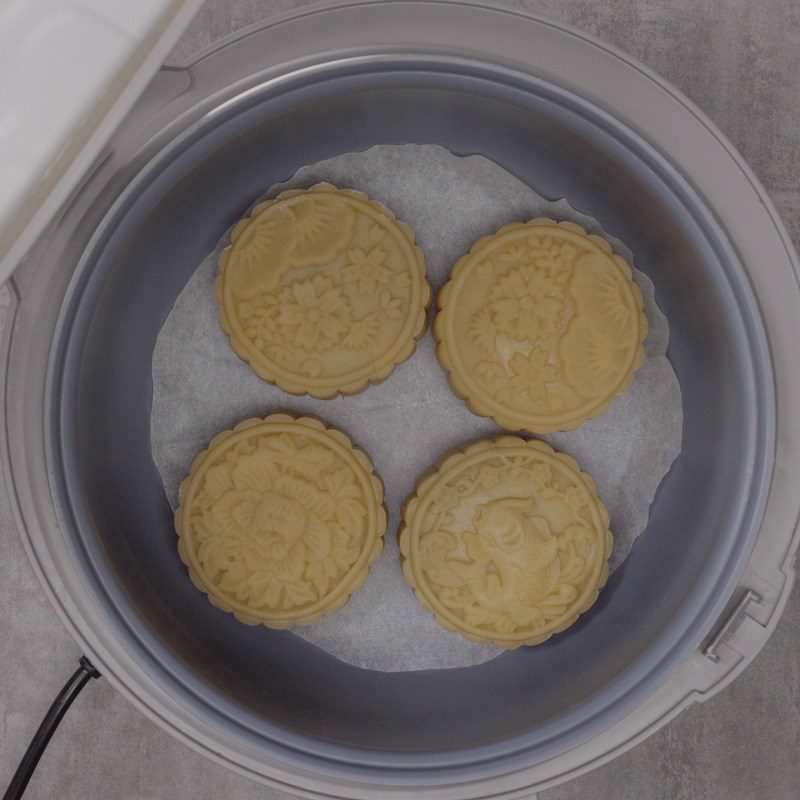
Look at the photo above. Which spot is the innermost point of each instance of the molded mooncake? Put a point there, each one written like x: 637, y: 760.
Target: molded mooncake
x: 280, y: 520
x: 506, y: 542
x: 322, y: 291
x: 540, y: 326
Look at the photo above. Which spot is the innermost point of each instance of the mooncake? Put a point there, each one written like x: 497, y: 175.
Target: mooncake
x: 322, y: 291
x: 280, y: 520
x: 506, y: 541
x: 540, y: 326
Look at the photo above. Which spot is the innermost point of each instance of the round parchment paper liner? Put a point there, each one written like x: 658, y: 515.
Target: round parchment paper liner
x: 407, y: 423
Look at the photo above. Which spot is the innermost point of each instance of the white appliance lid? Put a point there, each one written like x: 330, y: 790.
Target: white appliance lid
x: 69, y: 72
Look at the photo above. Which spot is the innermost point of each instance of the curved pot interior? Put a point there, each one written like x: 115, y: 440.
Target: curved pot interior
x: 273, y: 683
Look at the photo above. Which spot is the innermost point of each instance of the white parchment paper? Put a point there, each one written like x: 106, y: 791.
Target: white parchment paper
x: 200, y: 387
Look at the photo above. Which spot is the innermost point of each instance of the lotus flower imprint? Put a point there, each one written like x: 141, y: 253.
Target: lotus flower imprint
x: 366, y: 269
x: 314, y: 313
x: 530, y: 374
x: 527, y: 304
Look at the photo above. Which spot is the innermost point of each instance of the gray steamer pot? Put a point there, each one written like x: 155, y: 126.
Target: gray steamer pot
x: 573, y: 118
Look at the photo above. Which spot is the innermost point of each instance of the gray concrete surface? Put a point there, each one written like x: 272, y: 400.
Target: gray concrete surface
x: 740, y: 61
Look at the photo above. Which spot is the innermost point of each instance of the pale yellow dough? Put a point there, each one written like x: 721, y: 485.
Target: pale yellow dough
x: 540, y: 326
x: 280, y: 520
x: 322, y: 291
x: 505, y: 542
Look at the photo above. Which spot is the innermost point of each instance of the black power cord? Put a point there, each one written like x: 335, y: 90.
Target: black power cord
x: 71, y: 690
